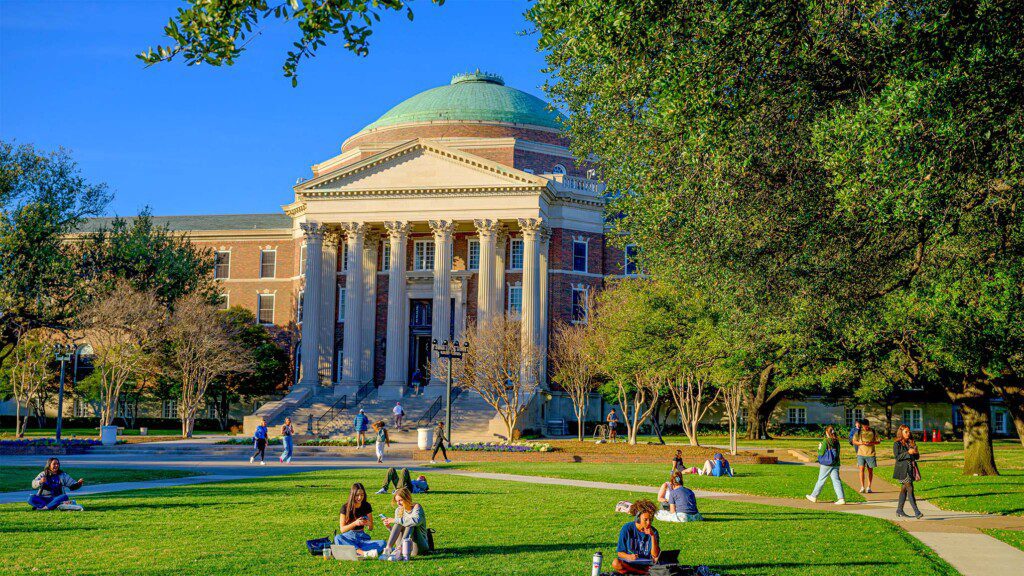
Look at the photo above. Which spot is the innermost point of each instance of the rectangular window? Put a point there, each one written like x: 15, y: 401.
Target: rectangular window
x: 515, y: 299
x: 222, y: 264
x: 423, y: 255
x: 473, y: 255
x: 223, y: 302
x: 385, y: 259
x: 302, y: 260
x: 344, y: 257
x: 912, y: 418
x: 999, y: 418
x: 300, y: 306
x: 798, y: 415
x: 268, y: 263
x: 579, y: 305
x: 629, y: 265
x: 515, y: 254
x: 852, y: 415
x: 579, y: 256
x: 265, y: 308
x: 341, y: 304
x: 170, y: 408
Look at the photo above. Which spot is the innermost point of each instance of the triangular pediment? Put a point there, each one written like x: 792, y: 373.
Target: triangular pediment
x: 421, y: 165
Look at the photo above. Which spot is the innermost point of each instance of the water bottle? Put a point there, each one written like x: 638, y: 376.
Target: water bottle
x: 327, y: 552
x: 596, y: 570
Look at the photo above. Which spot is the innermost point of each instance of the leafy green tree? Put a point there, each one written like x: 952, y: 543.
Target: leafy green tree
x: 24, y: 374
x: 216, y: 33
x: 43, y: 197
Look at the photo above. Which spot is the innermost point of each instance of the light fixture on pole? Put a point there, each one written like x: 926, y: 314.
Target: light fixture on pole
x: 63, y: 354
x: 449, y: 351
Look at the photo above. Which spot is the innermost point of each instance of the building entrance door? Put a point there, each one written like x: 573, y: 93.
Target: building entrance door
x: 419, y: 339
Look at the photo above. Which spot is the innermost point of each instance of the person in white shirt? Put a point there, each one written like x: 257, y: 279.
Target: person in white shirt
x: 399, y: 413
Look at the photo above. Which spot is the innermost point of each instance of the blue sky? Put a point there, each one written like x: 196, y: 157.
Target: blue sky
x: 194, y: 140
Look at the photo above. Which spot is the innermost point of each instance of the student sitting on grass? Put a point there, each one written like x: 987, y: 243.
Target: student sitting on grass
x: 717, y: 466
x: 682, y: 503
x: 663, y: 494
x: 50, y: 484
x: 638, y: 546
x: 678, y: 466
x: 355, y: 519
x: 409, y: 523
x: 417, y: 486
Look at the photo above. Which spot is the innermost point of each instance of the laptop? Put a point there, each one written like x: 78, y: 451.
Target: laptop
x: 343, y: 552
x: 666, y: 557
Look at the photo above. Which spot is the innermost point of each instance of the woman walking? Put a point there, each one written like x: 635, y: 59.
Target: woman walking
x: 286, y: 441
x: 439, y: 440
x: 906, y: 470
x: 381, y: 428
x: 828, y: 459
x: 259, y: 442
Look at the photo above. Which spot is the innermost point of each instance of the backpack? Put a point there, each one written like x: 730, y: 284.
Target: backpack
x: 430, y: 539
x: 679, y: 570
x: 830, y: 457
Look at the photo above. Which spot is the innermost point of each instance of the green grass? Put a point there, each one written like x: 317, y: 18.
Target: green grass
x: 1014, y: 538
x: 781, y: 443
x: 20, y: 477
x: 779, y: 480
x: 8, y: 433
x: 483, y: 528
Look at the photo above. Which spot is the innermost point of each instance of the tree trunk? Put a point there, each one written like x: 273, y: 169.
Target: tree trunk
x: 1012, y: 394
x: 581, y: 416
x: 225, y: 410
x: 761, y: 404
x: 888, y: 419
x: 19, y: 428
x: 973, y: 397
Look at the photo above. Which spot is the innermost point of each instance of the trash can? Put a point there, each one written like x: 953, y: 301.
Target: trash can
x: 108, y: 435
x: 143, y: 431
x: 424, y: 438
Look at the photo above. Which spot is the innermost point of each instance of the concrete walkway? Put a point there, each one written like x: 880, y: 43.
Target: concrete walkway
x: 22, y: 496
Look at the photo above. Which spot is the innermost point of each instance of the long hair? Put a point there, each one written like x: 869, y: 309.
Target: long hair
x: 830, y: 433
x: 908, y: 441
x: 47, y: 470
x: 405, y: 495
x: 677, y: 478
x: 350, y: 506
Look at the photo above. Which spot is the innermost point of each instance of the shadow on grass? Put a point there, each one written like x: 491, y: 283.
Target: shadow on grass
x: 773, y: 567
x: 517, y: 549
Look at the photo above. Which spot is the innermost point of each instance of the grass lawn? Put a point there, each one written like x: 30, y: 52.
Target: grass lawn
x: 1014, y: 538
x: 781, y: 480
x: 483, y: 528
x: 14, y: 478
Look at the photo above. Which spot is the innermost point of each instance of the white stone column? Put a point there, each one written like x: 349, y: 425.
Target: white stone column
x: 311, y: 304
x: 441, y: 313
x: 396, y: 354
x: 371, y: 248
x: 352, y: 346
x: 542, y: 269
x: 531, y: 228
x: 500, y: 247
x: 486, y: 278
x: 328, y: 317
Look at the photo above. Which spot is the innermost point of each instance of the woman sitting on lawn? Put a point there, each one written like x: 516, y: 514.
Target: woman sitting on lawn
x: 717, y: 466
x: 638, y: 546
x: 50, y: 484
x: 409, y: 523
x: 355, y: 519
x: 678, y: 466
x: 682, y: 503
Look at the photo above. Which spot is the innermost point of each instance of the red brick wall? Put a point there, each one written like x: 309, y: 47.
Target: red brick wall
x: 244, y: 283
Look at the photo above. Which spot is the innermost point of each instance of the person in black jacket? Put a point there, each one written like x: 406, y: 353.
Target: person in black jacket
x: 439, y: 440
x: 906, y: 455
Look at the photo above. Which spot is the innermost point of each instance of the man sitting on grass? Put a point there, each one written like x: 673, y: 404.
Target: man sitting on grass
x: 50, y: 484
x: 417, y: 486
x: 638, y: 541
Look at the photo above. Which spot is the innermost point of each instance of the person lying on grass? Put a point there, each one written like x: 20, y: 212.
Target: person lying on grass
x: 682, y: 503
x: 355, y: 519
x: 403, y: 480
x: 409, y: 523
x: 717, y: 466
x: 50, y: 485
x: 638, y: 546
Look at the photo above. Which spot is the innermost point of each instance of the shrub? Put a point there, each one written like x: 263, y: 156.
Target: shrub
x: 502, y: 447
x: 346, y: 441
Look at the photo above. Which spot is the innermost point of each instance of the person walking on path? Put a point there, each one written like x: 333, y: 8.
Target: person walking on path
x: 286, y: 441
x: 360, y: 423
x: 259, y: 441
x: 828, y: 459
x: 904, y: 450
x: 50, y: 485
x: 399, y: 413
x: 613, y: 425
x: 439, y: 440
x: 865, y: 440
x: 417, y: 382
x: 853, y: 431
x: 381, y: 429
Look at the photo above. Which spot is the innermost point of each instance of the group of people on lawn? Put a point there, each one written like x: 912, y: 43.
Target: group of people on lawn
x: 408, y: 535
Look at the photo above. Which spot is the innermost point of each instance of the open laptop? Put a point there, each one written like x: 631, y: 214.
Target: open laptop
x: 666, y: 557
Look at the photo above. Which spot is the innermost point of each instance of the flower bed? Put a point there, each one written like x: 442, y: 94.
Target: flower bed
x: 502, y: 447
x: 276, y: 441
x: 48, y: 446
x: 248, y: 441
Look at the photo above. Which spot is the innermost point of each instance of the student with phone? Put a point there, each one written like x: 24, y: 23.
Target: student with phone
x: 355, y: 519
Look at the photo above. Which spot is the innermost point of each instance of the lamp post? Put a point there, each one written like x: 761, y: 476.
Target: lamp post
x: 63, y: 353
x: 450, y: 351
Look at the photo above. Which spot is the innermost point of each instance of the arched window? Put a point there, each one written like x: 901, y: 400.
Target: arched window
x: 558, y: 169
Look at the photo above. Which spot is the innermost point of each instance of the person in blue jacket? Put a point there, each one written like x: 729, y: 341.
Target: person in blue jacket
x: 50, y: 485
x: 259, y: 440
x: 360, y: 425
x: 717, y: 466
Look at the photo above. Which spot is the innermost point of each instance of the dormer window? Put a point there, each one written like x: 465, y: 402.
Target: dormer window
x: 558, y: 169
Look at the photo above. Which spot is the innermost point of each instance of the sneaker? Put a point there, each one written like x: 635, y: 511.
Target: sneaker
x: 862, y: 489
x: 70, y: 507
x: 382, y: 491
x: 840, y: 502
x: 447, y: 461
x: 252, y: 459
x: 370, y: 554
x: 811, y: 498
x: 432, y: 462
x: 262, y: 463
x: 868, y: 490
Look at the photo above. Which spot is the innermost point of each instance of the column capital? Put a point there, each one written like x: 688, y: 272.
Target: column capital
x: 332, y: 237
x: 487, y: 227
x: 313, y: 231
x: 442, y: 228
x: 531, y: 226
x: 501, y: 233
x: 353, y: 228
x: 372, y: 236
x: 397, y: 228
x: 544, y: 235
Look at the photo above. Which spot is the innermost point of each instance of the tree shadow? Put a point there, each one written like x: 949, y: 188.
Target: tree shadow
x: 518, y: 549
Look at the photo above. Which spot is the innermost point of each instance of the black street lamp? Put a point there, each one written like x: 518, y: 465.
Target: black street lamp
x: 450, y: 351
x: 63, y: 354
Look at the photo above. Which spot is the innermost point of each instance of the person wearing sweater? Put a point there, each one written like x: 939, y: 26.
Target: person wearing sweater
x: 259, y: 442
x: 50, y: 487
x: 409, y: 523
x: 828, y: 460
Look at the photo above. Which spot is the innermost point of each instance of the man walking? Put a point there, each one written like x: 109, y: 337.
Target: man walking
x: 399, y: 413
x: 865, y: 440
x: 613, y: 426
x: 360, y: 424
x: 853, y: 431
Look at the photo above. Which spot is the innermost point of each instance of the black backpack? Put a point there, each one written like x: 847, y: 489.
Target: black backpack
x: 430, y: 539
x: 680, y: 570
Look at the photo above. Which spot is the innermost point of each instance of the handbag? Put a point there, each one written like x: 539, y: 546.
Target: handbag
x: 316, y: 546
x: 430, y: 539
x: 829, y: 457
x: 915, y: 472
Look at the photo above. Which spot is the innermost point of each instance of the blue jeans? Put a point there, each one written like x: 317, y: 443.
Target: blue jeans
x: 360, y: 539
x: 47, y: 502
x: 288, y: 443
x: 825, y: 472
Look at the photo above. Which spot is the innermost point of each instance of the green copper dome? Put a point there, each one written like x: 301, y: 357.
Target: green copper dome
x: 476, y: 96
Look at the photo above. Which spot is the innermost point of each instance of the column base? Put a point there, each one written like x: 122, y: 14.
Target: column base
x: 349, y: 390
x: 391, y: 392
